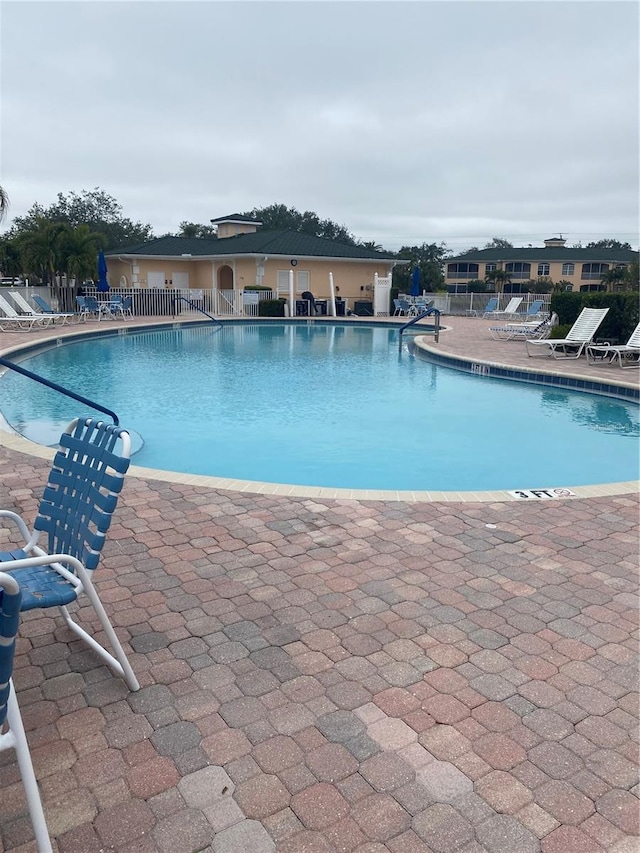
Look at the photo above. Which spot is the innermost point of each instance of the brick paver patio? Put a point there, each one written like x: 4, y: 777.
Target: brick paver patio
x: 321, y: 676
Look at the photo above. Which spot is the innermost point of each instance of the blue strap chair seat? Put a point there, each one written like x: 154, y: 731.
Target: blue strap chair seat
x: 75, y: 513
x: 42, y: 586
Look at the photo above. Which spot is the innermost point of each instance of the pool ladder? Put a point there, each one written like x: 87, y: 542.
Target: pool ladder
x: 413, y: 320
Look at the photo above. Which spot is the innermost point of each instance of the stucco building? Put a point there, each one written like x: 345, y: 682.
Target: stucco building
x: 583, y: 269
x: 243, y: 255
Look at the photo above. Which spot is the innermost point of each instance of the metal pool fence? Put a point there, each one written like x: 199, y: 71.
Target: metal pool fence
x: 158, y: 302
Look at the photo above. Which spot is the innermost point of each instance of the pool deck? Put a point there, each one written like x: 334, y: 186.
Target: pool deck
x: 324, y: 675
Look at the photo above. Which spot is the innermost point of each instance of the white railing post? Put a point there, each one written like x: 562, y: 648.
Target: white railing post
x: 292, y: 301
x: 332, y: 293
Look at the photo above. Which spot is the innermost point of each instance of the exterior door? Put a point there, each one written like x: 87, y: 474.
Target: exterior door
x: 180, y: 280
x: 155, y: 279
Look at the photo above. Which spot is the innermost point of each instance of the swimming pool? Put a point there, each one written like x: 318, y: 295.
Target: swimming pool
x: 326, y: 405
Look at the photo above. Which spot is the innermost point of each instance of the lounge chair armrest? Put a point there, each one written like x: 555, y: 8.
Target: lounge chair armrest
x: 29, y: 539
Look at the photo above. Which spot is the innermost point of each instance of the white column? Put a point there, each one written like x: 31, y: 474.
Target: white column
x: 332, y: 294
x: 292, y: 296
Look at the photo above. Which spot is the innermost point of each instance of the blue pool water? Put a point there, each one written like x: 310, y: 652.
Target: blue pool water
x: 326, y: 405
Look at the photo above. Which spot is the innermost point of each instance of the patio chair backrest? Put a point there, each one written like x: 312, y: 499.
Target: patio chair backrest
x: 514, y: 304
x: 586, y: 325
x: 91, y: 303
x: 42, y: 304
x: 7, y: 309
x: 492, y: 304
x: 634, y: 340
x: 80, y: 497
x: 10, y: 597
x: 22, y: 303
x: 534, y: 308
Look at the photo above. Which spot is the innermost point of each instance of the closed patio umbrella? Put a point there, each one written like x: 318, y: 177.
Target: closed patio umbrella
x: 415, y: 282
x: 103, y: 284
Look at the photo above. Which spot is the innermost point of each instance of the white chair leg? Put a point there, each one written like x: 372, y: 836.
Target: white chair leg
x: 43, y: 842
x: 120, y: 663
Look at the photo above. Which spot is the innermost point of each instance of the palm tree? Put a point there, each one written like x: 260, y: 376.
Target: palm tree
x: 41, y: 249
x: 80, y: 247
x: 499, y: 278
x: 614, y: 276
x: 4, y: 203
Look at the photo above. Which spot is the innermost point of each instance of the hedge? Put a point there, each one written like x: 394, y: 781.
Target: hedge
x: 617, y: 326
x: 271, y: 308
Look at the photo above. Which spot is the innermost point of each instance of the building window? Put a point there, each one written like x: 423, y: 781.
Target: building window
x: 518, y: 270
x: 568, y: 269
x: 302, y: 281
x: 490, y: 268
x: 462, y: 271
x: 543, y: 269
x: 593, y: 272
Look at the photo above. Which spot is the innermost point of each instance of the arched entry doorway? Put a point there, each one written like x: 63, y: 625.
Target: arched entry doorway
x: 225, y: 278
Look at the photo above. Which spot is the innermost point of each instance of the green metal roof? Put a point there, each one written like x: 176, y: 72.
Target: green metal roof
x: 547, y: 254
x: 237, y: 217
x: 290, y: 244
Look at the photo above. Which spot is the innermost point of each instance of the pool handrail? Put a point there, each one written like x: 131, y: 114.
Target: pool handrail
x: 55, y: 387
x: 197, y: 308
x: 436, y: 331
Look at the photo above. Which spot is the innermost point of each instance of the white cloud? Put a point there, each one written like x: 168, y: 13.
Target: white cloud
x: 405, y: 121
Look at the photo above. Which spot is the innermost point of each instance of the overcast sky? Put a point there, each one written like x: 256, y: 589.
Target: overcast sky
x: 407, y: 122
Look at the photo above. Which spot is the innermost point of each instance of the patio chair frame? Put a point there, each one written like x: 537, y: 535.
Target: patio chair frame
x: 15, y: 737
x: 606, y: 353
x: 75, y: 514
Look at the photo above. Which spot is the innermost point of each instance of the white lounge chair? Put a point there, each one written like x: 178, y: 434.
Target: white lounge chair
x: 627, y: 355
x: 14, y: 321
x: 511, y: 309
x: 27, y: 311
x: 579, y: 335
x: 538, y: 330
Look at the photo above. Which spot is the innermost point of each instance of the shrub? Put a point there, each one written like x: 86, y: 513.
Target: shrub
x: 560, y: 332
x: 271, y: 308
x: 478, y: 286
x: 617, y: 326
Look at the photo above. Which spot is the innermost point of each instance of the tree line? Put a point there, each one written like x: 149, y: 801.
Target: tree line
x: 64, y: 239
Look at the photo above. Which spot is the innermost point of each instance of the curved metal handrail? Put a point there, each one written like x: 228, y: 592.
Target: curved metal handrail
x: 55, y: 387
x: 197, y: 308
x: 436, y: 331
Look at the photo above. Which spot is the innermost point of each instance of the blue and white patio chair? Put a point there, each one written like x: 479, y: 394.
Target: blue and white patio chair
x: 490, y: 307
x: 118, y: 307
x: 535, y: 330
x: 75, y: 513
x: 533, y: 312
x: 45, y: 308
x: 13, y: 736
